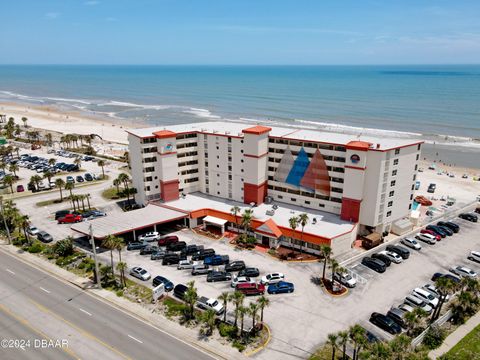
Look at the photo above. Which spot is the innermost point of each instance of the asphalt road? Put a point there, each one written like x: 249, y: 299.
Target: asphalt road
x: 35, y: 304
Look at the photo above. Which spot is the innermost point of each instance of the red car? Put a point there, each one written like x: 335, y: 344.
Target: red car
x: 70, y: 218
x: 166, y: 240
x: 437, y: 237
x: 251, y: 288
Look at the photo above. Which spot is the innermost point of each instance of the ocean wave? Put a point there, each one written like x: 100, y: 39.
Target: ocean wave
x: 22, y: 97
x: 203, y: 113
x: 135, y: 106
x: 81, y: 101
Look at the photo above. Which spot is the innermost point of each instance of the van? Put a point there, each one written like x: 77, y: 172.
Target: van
x: 250, y: 288
x: 179, y: 291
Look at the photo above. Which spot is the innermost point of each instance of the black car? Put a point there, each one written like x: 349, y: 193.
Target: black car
x: 61, y: 213
x: 202, y: 254
x: 45, y: 237
x: 249, y: 272
x: 157, y: 255
x: 148, y: 250
x: 469, y: 217
x: 157, y: 280
x: 193, y: 249
x: 235, y: 266
x: 437, y: 230
x: 398, y: 316
x: 88, y: 177
x: 384, y: 258
x: 179, y: 291
x: 451, y: 225
x: 80, y: 178
x: 400, y: 250
x: 213, y: 276
x: 136, y: 246
x: 385, y: 323
x: 177, y: 246
x: 171, y: 259
x: 374, y: 264
x: 447, y: 230
x: 454, y: 278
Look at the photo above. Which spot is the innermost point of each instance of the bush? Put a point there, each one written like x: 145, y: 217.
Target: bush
x: 237, y: 344
x: 227, y: 330
x: 434, y: 337
x: 35, y: 248
x: 119, y: 293
x: 19, y: 241
x: 174, y: 308
x: 63, y: 247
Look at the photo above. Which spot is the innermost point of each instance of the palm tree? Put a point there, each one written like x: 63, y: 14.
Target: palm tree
x: 52, y: 161
x: 36, y: 180
x: 24, y: 223
x: 253, y: 311
x: 225, y: 298
x: 78, y: 162
x: 190, y: 297
x: 326, y: 252
x: 303, y: 220
x: 69, y: 186
x: 14, y: 168
x: 24, y: 119
x: 125, y: 179
x: 242, y: 311
x: 263, y: 302
x: 293, y: 222
x: 356, y: 333
x: 117, y: 183
x: 237, y: 299
x: 49, y: 139
x: 109, y: 244
x: 122, y: 266
x: 88, y: 196
x: 48, y: 175
x: 234, y: 211
x: 343, y: 335
x: 400, y: 345
x: 18, y: 131
x: 334, y: 265
x: 101, y: 163
x: 60, y: 183
x: 9, y: 180
x: 444, y: 287
x: 208, y: 318
x: 332, y: 341
x: 246, y: 221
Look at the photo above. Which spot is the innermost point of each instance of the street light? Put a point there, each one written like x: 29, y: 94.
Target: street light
x: 5, y: 221
x: 92, y: 241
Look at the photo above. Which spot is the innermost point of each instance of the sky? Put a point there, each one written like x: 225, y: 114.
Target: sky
x: 246, y: 32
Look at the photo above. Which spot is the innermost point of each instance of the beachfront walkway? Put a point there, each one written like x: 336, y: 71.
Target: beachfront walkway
x: 456, y: 336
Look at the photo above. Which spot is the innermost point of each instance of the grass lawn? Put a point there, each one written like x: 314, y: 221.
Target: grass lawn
x: 467, y: 349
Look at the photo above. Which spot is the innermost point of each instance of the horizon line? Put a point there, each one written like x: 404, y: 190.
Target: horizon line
x: 152, y: 64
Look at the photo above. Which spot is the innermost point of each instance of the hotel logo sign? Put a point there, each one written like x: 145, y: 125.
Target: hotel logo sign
x: 355, y: 159
x: 168, y: 147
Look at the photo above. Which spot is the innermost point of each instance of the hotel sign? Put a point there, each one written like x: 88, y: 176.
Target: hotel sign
x: 355, y: 159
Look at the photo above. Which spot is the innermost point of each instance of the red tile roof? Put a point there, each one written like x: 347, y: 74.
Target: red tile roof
x: 164, y: 134
x: 257, y: 130
x: 358, y: 145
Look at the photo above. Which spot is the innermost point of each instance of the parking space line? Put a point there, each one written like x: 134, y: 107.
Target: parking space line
x: 45, y: 290
x: 10, y: 271
x: 131, y: 337
x: 84, y: 311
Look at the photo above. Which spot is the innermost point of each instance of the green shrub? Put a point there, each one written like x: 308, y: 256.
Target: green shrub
x: 237, y: 344
x: 174, y: 308
x: 119, y: 293
x: 227, y: 330
x: 19, y: 241
x: 35, y: 248
x: 434, y: 337
x: 64, y: 247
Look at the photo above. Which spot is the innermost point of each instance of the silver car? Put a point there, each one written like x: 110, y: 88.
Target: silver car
x: 463, y: 271
x: 411, y: 243
x: 140, y: 273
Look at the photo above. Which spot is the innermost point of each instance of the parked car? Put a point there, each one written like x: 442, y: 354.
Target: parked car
x: 157, y: 255
x: 216, y: 260
x: 432, y: 188
x: 426, y: 296
x: 415, y: 301
x: 200, y: 269
x: 149, y: 237
x: 433, y: 290
x: 397, y: 259
x: 20, y: 188
x: 280, y: 288
x: 451, y: 225
x: 437, y: 230
x: 140, y: 273
x: 93, y: 214
x: 454, y: 278
x: 202, y: 254
x: 213, y: 276
x: 61, y: 213
x: 446, y: 230
x: 179, y: 291
x: 383, y: 258
x: 431, y: 232
x: 428, y: 238
x: 400, y: 250
x: 463, y: 271
x: 397, y: 315
x: 167, y: 284
x: 411, y: 243
x: 374, y: 264
x: 165, y: 240
x: 45, y: 237
x: 272, y: 278
x: 185, y: 264
x: 88, y: 177
x: 80, y: 178
x: 70, y: 179
x: 210, y: 304
x: 468, y: 217
x: 148, y: 250
x: 33, y: 230
x: 249, y: 272
x: 70, y: 219
x: 135, y: 246
x: 176, y: 246
x: 251, y: 289
x: 235, y: 266
x: 171, y: 259
x: 385, y: 323
x: 193, y: 249
x: 345, y: 278
x: 474, y: 256
x: 240, y: 280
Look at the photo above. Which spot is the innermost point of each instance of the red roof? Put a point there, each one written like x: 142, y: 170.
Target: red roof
x: 358, y: 145
x: 272, y: 227
x: 257, y: 130
x: 164, y: 134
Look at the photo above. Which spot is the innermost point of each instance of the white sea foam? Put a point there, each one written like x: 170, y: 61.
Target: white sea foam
x: 203, y: 113
x: 81, y: 101
x: 22, y: 97
x: 136, y: 106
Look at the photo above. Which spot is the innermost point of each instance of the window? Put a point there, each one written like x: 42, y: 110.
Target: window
x: 293, y: 199
x: 395, y: 162
x: 307, y: 202
x: 413, y: 187
x: 229, y: 177
x: 418, y: 156
x: 148, y: 178
x: 218, y: 166
x: 149, y: 169
x: 419, y: 146
x: 414, y: 177
x: 280, y: 196
x: 150, y: 159
x: 411, y: 197
x: 390, y: 203
x: 389, y: 214
x: 416, y: 166
x: 391, y: 193
x: 229, y: 139
x: 392, y: 183
x: 218, y: 157
x: 217, y: 147
x: 410, y: 207
x: 218, y: 192
x: 147, y: 188
x: 218, y: 174
x: 394, y: 172
x: 229, y: 167
x: 397, y: 151
x: 241, y: 160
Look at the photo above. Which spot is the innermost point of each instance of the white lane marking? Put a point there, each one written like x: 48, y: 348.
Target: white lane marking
x: 10, y: 271
x: 86, y: 312
x: 48, y: 292
x: 131, y: 337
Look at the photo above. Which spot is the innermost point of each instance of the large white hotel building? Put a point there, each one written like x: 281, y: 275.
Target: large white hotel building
x: 348, y: 185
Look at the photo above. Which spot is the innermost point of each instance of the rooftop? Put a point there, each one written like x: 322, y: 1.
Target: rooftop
x: 238, y: 130
x: 327, y: 225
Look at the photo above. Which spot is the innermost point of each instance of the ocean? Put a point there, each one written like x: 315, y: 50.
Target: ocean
x: 431, y: 101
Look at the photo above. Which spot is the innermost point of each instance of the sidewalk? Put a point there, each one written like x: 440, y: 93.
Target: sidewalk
x: 190, y: 336
x: 456, y: 336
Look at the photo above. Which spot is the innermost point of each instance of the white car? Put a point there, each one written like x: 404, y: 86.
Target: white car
x: 140, y: 273
x: 411, y: 243
x: 33, y: 230
x: 428, y: 238
x: 241, y: 280
x: 415, y: 301
x: 433, y: 290
x: 345, y: 278
x: 474, y: 256
x: 185, y: 264
x: 394, y: 257
x: 426, y: 296
x: 149, y: 237
x: 272, y: 278
x: 463, y: 271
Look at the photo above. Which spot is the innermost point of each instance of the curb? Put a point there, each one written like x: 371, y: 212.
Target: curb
x: 263, y: 346
x: 333, y: 295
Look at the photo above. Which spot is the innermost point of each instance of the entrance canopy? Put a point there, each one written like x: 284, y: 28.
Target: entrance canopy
x: 212, y: 220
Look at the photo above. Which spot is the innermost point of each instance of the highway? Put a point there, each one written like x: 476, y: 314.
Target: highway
x: 35, y: 305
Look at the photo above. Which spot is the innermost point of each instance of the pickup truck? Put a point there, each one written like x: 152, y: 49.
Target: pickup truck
x: 69, y: 218
x: 210, y: 304
x: 216, y: 260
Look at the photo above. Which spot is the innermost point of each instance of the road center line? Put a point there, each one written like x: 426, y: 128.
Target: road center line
x: 48, y: 292
x: 10, y: 271
x: 86, y: 312
x: 131, y: 337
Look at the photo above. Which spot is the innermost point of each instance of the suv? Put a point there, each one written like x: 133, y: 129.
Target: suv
x: 185, y: 264
x: 385, y: 323
x: 400, y: 250
x: 272, y: 278
x: 157, y: 255
x: 428, y: 238
x: 216, y: 260
x: 241, y: 280
x: 383, y: 258
x: 61, y: 213
x: 213, y: 276
x: 415, y: 301
x: 136, y: 246
x: 398, y: 316
x: 165, y: 240
x: 149, y: 237
x: 474, y: 256
x: 374, y: 264
x: 463, y: 271
x: 235, y: 266
x: 192, y: 249
x: 200, y: 269
x: 251, y: 288
x: 176, y: 246
x: 437, y: 230
x: 451, y: 225
x: 425, y: 296
x: 170, y: 259
x: 202, y: 254
x: 148, y: 250
x: 431, y: 188
x: 179, y: 291
x: 249, y: 272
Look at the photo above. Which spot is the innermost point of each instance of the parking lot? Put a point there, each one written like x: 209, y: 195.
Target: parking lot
x: 301, y: 321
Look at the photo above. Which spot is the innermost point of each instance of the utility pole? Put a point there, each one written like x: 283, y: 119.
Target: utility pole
x: 5, y: 221
x: 97, y: 272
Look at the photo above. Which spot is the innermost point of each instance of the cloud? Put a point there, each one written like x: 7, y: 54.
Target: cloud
x: 52, y: 15
x: 91, y: 2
